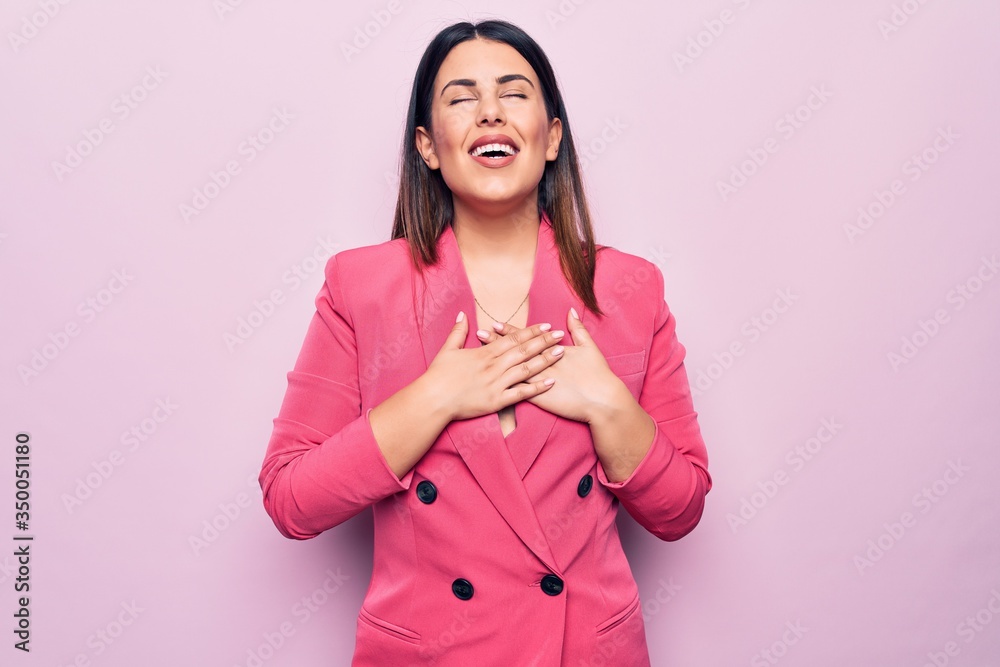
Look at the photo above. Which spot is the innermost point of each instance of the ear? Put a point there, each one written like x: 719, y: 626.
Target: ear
x: 425, y: 146
x: 555, y: 138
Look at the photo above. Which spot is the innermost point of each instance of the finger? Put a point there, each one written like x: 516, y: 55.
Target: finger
x: 502, y: 329
x: 527, y: 370
x: 485, y: 336
x: 496, y: 332
x: 491, y: 334
x: 525, y: 390
x: 456, y: 337
x: 576, y: 328
x: 530, y: 340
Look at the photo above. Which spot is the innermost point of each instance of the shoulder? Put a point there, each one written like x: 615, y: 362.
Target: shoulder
x: 621, y: 275
x: 366, y: 261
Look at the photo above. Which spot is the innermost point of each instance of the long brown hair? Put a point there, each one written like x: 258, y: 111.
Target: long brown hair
x: 424, y: 205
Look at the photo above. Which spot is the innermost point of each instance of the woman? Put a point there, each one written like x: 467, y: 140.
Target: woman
x: 494, y: 457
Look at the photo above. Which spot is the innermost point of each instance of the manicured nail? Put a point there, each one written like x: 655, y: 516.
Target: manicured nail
x: 497, y: 326
x: 558, y: 334
x: 460, y: 316
x: 545, y: 327
x: 482, y: 333
x: 572, y: 311
x: 557, y: 350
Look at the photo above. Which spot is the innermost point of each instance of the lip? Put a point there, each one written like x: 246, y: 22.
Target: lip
x: 494, y: 162
x: 494, y: 139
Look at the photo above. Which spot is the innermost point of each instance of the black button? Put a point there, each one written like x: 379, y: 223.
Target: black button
x: 583, y: 488
x: 462, y: 589
x: 426, y: 492
x: 552, y: 585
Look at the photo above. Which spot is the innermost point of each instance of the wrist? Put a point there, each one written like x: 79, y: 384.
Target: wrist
x: 433, y: 396
x: 616, y: 401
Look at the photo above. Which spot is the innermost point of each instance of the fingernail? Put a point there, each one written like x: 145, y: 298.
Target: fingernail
x: 545, y: 327
x: 498, y: 326
x: 460, y: 316
x: 572, y: 311
x: 558, y: 334
x: 557, y: 350
x: 482, y: 333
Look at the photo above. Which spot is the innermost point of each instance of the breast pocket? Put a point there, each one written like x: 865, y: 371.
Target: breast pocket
x: 629, y: 369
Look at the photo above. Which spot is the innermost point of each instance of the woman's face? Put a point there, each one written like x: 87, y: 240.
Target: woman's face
x: 469, y: 103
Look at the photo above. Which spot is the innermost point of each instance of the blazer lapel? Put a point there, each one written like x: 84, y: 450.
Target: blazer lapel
x: 498, y: 465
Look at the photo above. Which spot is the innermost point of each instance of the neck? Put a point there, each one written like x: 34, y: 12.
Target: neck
x: 504, y: 239
x: 498, y: 256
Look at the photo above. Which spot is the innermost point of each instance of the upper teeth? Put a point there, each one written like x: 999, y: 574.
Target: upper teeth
x: 509, y: 150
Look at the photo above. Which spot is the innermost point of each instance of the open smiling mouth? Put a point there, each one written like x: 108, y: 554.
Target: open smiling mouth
x: 494, y: 155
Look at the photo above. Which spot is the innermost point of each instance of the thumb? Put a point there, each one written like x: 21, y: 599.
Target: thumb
x: 459, y: 332
x: 576, y: 329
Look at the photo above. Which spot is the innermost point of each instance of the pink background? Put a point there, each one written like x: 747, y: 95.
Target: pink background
x: 796, y: 576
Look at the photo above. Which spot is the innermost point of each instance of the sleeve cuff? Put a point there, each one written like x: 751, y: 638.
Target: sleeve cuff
x: 648, y: 472
x: 399, y: 484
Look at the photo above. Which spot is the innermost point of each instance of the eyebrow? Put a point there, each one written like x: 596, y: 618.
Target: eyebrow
x: 506, y: 78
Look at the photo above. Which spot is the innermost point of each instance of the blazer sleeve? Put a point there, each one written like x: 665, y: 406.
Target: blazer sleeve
x: 323, y: 464
x: 666, y: 492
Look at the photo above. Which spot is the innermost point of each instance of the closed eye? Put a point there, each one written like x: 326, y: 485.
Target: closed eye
x: 470, y: 99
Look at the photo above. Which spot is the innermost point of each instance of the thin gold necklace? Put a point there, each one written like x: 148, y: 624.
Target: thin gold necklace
x: 507, y: 321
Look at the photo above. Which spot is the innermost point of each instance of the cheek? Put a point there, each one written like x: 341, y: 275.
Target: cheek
x: 449, y: 135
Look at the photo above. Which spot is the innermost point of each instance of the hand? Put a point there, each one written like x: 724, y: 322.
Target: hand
x: 478, y: 381
x: 584, y: 383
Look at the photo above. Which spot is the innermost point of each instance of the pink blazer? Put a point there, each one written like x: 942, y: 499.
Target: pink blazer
x: 491, y: 550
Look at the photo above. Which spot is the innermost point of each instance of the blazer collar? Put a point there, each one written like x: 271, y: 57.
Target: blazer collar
x: 498, y: 464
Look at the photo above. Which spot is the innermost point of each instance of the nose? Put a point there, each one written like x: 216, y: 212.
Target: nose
x: 490, y: 111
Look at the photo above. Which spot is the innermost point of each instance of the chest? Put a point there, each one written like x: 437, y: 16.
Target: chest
x: 508, y: 419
